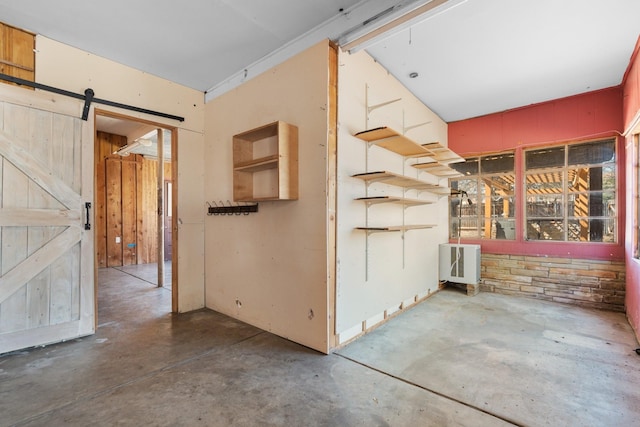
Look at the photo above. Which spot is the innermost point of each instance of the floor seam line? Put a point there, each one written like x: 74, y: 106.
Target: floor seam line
x: 133, y: 381
x: 437, y: 393
x: 137, y: 277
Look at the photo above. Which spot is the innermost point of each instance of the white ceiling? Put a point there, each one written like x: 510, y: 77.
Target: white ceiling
x: 478, y: 57
x: 485, y: 56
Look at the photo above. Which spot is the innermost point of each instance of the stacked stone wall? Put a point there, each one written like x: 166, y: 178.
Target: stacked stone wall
x: 587, y: 283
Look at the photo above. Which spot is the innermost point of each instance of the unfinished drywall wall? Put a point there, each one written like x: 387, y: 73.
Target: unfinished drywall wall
x: 269, y: 268
x: 74, y: 70
x: 379, y: 274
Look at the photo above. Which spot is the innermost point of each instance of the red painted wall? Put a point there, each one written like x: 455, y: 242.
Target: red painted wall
x: 631, y: 110
x: 582, y: 117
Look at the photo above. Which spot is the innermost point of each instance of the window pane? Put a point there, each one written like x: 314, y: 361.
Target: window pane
x: 545, y: 206
x: 504, y: 229
x: 468, y: 167
x: 463, y: 215
x: 595, y: 178
x: 544, y: 183
x: 592, y: 204
x: 499, y: 190
x: 497, y: 163
x: 468, y: 227
x: 592, y: 230
x: 609, y: 177
x: 545, y: 230
x: 500, y: 206
x: 572, y: 202
x: 469, y: 186
x: 486, y: 207
x: 592, y: 152
x: 544, y: 158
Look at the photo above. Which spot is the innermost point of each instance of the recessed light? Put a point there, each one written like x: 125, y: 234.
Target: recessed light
x: 413, y: 75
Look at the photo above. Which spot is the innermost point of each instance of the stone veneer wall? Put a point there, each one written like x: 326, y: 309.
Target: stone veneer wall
x: 587, y: 283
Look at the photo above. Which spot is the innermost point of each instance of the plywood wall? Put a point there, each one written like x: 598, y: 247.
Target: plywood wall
x: 270, y: 269
x: 126, y: 204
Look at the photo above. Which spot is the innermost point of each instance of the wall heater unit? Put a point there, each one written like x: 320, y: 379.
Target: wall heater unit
x: 460, y: 263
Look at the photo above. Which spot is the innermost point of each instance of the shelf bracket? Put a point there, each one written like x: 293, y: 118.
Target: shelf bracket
x: 370, y: 108
x: 408, y: 128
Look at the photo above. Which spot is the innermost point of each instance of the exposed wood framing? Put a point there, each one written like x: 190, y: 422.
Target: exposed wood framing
x: 125, y: 205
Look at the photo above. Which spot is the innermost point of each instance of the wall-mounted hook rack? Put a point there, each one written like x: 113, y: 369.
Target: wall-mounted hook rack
x: 231, y: 208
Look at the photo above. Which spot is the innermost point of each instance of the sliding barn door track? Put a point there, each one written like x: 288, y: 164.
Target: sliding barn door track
x: 87, y: 97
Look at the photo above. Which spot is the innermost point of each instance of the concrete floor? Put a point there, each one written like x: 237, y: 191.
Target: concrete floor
x: 488, y: 360
x: 148, y: 272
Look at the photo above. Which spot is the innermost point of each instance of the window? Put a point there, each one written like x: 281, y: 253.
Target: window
x: 485, y: 204
x: 570, y: 192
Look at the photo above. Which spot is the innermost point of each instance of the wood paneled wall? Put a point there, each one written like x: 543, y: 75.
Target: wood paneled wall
x: 125, y: 205
x: 17, y: 57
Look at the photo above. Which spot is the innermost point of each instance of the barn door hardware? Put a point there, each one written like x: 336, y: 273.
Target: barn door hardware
x: 87, y: 97
x: 87, y: 224
x: 231, y: 209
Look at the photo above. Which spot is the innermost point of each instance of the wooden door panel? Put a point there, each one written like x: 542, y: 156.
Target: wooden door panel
x: 46, y: 255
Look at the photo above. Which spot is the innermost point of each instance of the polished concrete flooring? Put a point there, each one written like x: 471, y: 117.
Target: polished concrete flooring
x: 487, y: 360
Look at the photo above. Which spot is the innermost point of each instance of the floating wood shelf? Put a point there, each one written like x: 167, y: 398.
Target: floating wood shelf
x: 400, y: 181
x: 391, y: 199
x: 396, y: 228
x: 437, y: 169
x: 393, y: 141
x: 440, y: 153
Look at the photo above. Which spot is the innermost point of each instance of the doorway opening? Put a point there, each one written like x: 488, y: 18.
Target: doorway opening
x: 133, y: 203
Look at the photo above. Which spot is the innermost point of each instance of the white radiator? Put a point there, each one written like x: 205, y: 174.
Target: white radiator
x: 460, y: 263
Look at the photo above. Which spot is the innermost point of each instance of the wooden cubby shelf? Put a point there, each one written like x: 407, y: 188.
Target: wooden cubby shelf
x: 265, y: 163
x: 391, y: 199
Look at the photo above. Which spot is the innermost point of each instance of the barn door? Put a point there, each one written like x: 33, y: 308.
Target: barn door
x: 46, y: 254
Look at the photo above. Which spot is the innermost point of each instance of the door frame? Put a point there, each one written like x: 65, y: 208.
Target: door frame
x: 174, y: 196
